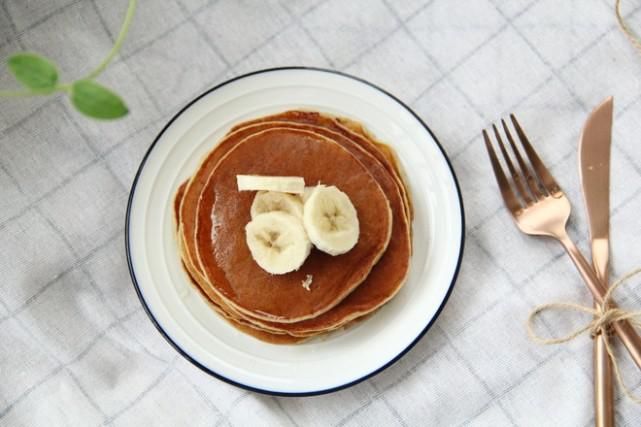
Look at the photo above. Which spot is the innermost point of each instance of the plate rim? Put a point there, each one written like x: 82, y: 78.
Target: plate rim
x: 221, y: 377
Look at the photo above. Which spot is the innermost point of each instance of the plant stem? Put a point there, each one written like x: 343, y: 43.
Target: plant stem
x: 119, y: 41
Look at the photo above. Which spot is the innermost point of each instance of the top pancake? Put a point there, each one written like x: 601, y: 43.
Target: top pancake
x: 223, y: 212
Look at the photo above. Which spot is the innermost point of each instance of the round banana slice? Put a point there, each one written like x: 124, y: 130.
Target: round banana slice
x: 277, y: 242
x: 331, y: 220
x: 272, y: 201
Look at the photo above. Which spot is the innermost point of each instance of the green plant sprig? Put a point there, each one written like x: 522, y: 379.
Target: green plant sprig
x: 39, y: 76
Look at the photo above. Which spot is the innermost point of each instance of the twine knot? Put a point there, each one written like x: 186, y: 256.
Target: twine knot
x: 602, y: 319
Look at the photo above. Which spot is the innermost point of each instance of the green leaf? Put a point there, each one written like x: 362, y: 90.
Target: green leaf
x: 35, y: 72
x: 95, y: 100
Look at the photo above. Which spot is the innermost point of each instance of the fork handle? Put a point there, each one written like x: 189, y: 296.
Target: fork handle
x: 626, y: 333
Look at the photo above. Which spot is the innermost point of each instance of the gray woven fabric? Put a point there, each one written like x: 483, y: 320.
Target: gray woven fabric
x: 75, y: 345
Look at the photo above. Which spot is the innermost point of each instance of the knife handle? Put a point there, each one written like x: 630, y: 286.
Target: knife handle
x: 603, y: 369
x: 603, y: 386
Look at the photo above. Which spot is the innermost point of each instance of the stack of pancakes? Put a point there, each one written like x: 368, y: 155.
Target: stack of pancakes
x: 211, y: 215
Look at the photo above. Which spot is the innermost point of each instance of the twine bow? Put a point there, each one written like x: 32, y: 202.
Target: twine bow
x: 601, y: 322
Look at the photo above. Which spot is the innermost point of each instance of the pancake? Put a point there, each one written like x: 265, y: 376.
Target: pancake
x: 384, y: 280
x: 223, y: 211
x: 363, y: 300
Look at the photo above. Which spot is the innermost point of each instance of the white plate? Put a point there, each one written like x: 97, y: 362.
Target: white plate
x: 339, y: 359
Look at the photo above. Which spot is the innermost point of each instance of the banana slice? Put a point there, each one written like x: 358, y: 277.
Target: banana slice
x: 272, y: 201
x: 283, y: 184
x: 331, y: 220
x: 278, y: 242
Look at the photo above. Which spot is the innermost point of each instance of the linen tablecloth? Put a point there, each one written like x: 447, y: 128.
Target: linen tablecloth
x: 76, y: 348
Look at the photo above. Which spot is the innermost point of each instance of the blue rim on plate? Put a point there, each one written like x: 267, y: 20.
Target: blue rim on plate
x: 273, y: 392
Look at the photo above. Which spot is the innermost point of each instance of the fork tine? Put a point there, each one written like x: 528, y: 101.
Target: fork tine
x: 509, y: 198
x: 516, y: 177
x: 532, y: 183
x: 544, y: 175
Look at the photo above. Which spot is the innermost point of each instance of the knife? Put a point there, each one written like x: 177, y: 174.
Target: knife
x: 594, y: 170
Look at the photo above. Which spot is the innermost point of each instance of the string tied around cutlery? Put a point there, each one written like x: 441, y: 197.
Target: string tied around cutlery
x: 602, y: 319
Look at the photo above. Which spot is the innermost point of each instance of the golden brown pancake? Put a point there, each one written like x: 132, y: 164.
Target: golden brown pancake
x: 223, y: 212
x: 384, y: 280
x: 388, y: 289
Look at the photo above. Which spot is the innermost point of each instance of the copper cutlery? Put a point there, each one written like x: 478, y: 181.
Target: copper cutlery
x: 539, y: 207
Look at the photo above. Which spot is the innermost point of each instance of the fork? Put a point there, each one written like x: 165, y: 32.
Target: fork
x: 539, y: 207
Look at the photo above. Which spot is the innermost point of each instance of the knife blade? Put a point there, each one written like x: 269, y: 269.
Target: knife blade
x: 594, y: 158
x: 594, y: 170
